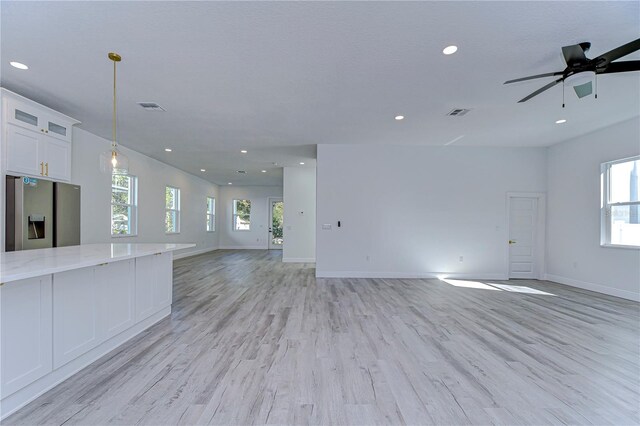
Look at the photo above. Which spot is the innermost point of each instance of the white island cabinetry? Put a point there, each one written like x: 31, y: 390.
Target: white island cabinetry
x: 63, y: 308
x: 25, y: 307
x: 154, y: 284
x: 92, y: 305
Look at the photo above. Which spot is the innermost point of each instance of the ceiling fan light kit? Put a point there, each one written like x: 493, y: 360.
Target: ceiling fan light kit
x: 581, y: 72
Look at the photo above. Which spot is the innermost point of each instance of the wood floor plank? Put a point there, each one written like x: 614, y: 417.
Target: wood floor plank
x: 252, y: 340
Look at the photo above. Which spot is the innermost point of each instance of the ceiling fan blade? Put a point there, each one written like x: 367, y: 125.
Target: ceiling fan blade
x: 540, y: 90
x: 624, y: 66
x: 531, y: 77
x: 584, y: 89
x: 618, y: 52
x: 574, y: 54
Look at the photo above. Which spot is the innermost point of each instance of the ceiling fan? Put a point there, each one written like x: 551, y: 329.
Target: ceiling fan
x: 581, y: 71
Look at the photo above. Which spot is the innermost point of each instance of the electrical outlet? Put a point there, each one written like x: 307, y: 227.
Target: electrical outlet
x: 461, y: 258
x: 368, y: 258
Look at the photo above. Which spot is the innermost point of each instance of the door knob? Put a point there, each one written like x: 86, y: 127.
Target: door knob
x: 512, y: 242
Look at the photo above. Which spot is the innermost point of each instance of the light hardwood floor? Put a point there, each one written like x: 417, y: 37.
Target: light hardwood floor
x: 254, y: 341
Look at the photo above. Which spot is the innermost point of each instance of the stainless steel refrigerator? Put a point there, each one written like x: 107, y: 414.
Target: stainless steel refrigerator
x: 41, y: 214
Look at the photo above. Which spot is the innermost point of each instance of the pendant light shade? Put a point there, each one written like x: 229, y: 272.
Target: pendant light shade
x: 114, y: 161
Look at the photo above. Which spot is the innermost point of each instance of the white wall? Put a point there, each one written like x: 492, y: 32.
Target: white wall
x: 299, y: 186
x: 414, y: 210
x: 574, y: 254
x: 153, y: 177
x: 258, y: 236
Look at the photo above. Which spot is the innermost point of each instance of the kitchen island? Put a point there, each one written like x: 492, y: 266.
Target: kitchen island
x: 63, y: 308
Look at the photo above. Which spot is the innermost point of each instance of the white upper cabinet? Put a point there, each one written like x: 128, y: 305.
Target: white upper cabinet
x: 58, y: 164
x: 24, y: 150
x: 38, y: 139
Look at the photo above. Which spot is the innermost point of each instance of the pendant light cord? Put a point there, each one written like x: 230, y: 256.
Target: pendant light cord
x: 113, y: 144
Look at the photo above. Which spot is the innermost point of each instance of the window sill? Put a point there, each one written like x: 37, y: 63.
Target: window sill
x: 123, y: 235
x: 211, y: 232
x: 171, y: 233
x: 620, y: 246
x: 241, y: 230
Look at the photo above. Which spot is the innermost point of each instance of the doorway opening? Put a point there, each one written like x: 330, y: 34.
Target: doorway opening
x: 276, y: 218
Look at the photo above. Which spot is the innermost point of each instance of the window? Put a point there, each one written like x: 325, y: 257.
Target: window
x: 124, y: 205
x: 172, y: 210
x: 621, y: 203
x: 211, y: 214
x: 241, y: 215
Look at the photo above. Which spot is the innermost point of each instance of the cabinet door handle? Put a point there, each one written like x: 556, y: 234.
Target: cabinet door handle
x: 41, y: 168
x: 47, y: 169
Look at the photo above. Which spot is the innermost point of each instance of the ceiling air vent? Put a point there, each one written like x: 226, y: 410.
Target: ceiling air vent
x: 151, y: 106
x: 458, y: 112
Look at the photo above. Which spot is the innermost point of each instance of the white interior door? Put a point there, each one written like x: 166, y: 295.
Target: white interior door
x: 276, y: 212
x: 523, y: 219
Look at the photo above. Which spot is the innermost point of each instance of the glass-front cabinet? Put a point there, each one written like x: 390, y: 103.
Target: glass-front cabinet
x: 38, y: 138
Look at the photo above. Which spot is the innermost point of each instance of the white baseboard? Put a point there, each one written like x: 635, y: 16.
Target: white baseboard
x: 299, y: 259
x: 599, y: 288
x: 193, y: 252
x: 382, y: 274
x: 243, y: 248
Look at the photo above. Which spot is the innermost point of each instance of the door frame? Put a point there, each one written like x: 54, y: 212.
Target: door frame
x: 541, y: 231
x: 270, y: 221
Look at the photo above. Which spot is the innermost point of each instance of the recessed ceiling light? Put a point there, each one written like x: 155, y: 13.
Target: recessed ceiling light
x: 244, y: 151
x: 168, y: 149
x: 301, y: 163
x: 202, y: 170
x: 450, y: 50
x: 399, y: 117
x: 229, y: 183
x: 562, y: 120
x: 263, y: 171
x: 19, y: 65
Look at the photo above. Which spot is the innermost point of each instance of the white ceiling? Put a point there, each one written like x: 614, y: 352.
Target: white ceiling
x: 277, y: 78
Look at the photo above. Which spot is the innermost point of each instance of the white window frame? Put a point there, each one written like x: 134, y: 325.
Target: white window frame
x: 176, y: 209
x: 133, y: 217
x: 211, y: 215
x: 234, y: 215
x: 606, y: 205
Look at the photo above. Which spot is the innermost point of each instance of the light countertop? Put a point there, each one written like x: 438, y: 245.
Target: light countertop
x: 19, y: 265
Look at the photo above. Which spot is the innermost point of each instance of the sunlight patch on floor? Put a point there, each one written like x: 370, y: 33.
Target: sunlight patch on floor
x: 469, y: 284
x: 495, y: 287
x: 521, y: 289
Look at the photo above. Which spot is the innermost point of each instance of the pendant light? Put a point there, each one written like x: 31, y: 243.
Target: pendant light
x: 114, y: 161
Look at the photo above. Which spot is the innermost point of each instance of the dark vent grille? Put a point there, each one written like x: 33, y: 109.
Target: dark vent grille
x: 151, y: 106
x: 458, y: 112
